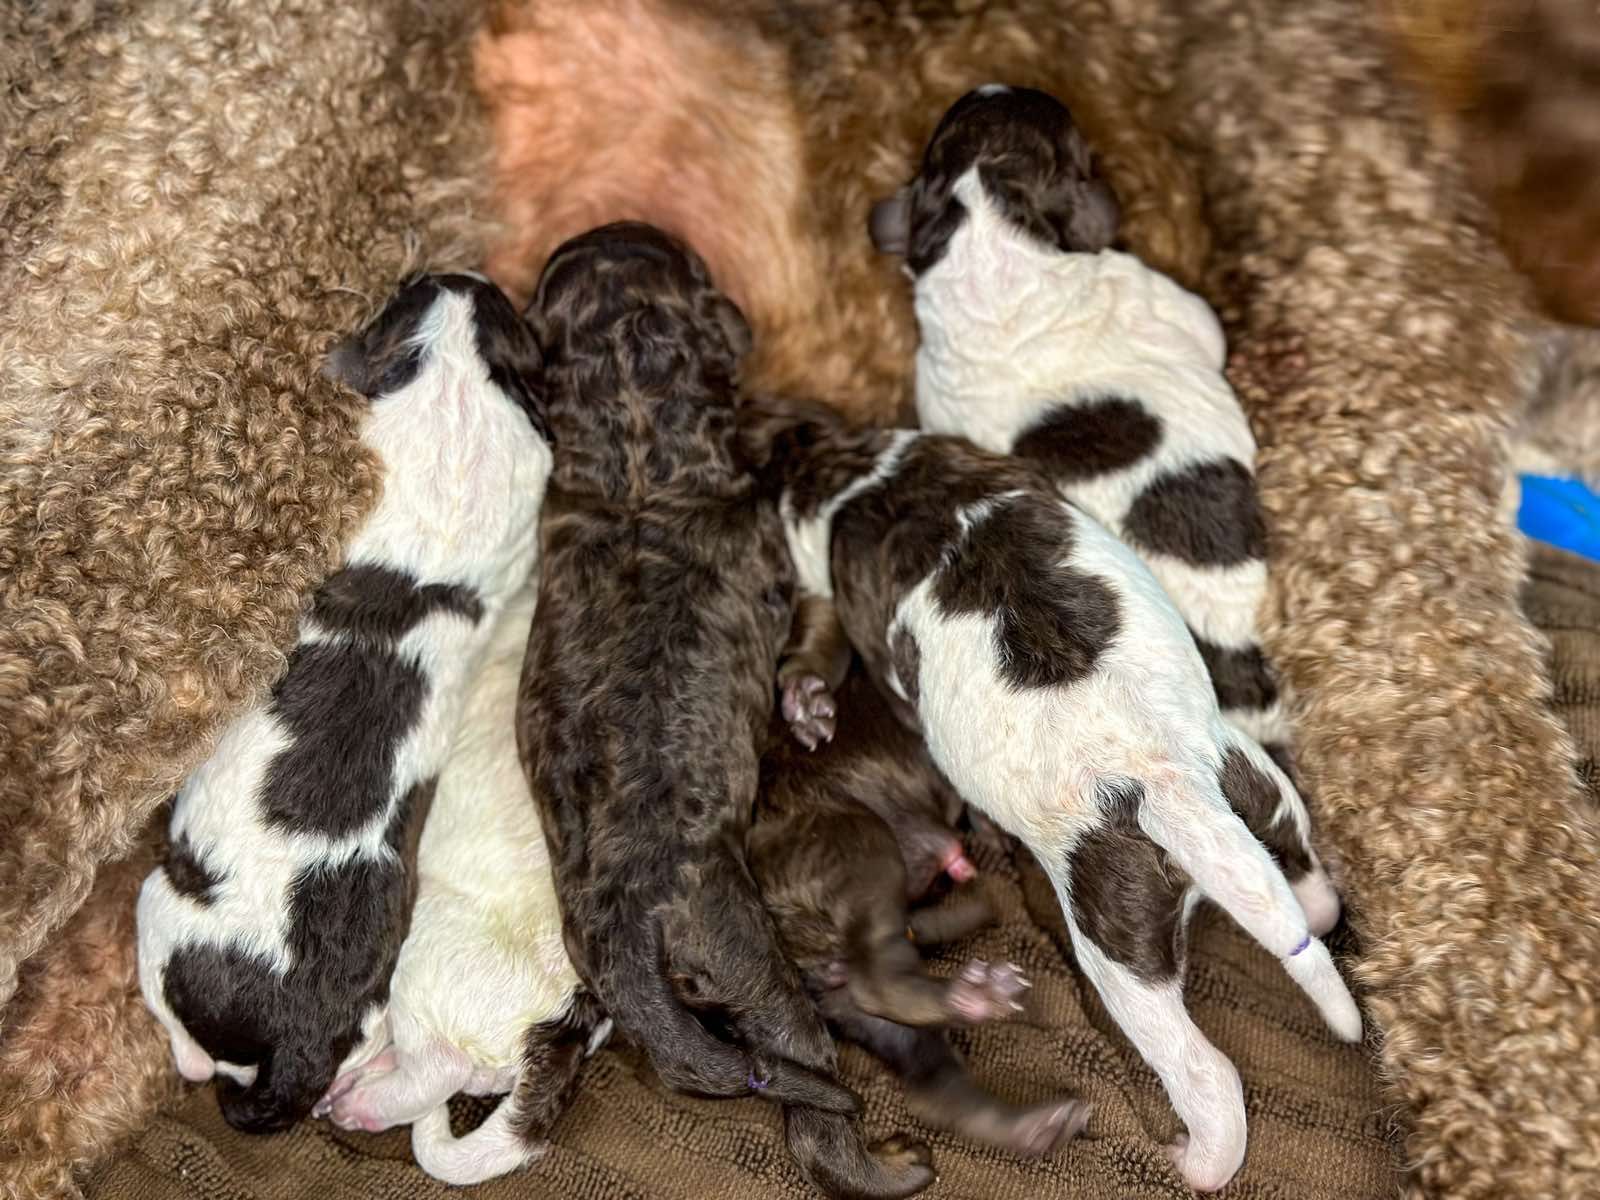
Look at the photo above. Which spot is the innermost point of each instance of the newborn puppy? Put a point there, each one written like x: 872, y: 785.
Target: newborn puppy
x: 1040, y: 342
x: 483, y: 986
x: 647, y: 692
x: 267, y: 940
x: 845, y: 837
x: 1061, y: 694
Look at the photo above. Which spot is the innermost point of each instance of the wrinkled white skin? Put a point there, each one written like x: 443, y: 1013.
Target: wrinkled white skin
x: 1037, y: 760
x: 1012, y: 329
x: 484, y: 959
x: 464, y: 474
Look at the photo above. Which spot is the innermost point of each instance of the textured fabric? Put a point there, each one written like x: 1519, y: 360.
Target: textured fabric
x: 1317, y: 1126
x: 1562, y: 598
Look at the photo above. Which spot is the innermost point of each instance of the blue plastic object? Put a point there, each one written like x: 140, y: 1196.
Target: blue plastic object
x: 1562, y: 512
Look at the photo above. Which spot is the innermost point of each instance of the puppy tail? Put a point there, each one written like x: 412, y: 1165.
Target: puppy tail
x: 1286, y: 825
x: 495, y: 1148
x: 516, y: 1133
x: 1191, y: 820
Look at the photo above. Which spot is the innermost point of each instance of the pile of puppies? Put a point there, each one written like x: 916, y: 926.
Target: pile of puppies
x: 639, y: 701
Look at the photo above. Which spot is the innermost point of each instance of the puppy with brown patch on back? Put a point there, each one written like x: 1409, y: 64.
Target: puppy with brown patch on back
x: 666, y: 597
x: 1060, y: 692
x: 1039, y: 340
x: 268, y: 937
x: 847, y: 836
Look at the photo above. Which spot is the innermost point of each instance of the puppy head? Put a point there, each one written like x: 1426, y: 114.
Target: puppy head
x: 459, y: 420
x: 1033, y: 164
x: 635, y: 294
x: 387, y: 354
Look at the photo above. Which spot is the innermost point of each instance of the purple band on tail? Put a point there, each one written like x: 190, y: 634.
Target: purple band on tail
x: 756, y: 1085
x: 1304, y: 942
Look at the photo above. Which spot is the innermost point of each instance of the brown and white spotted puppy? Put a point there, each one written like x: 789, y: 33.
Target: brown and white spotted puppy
x: 665, y: 599
x: 267, y: 940
x: 1039, y: 341
x: 1058, y: 691
x: 847, y: 838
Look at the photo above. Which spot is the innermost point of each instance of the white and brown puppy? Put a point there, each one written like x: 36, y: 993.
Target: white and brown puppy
x: 1039, y: 341
x: 267, y: 940
x: 1059, y: 691
x: 483, y: 983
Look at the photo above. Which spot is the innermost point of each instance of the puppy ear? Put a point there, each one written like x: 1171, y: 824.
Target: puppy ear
x: 347, y: 363
x: 719, y: 312
x: 1093, y: 216
x: 890, y: 223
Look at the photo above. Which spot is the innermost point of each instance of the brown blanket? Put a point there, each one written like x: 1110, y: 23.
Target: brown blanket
x: 1562, y: 597
x: 1318, y: 1130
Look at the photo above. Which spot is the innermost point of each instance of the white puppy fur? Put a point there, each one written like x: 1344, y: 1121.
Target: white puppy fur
x: 453, y: 536
x: 1046, y: 762
x: 484, y: 960
x: 1015, y: 331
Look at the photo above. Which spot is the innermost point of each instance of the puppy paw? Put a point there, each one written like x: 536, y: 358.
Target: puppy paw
x: 902, y: 1152
x: 1201, y: 1170
x: 808, y: 707
x: 382, y: 1064
x: 959, y: 867
x: 983, y: 992
x: 1041, y: 1130
x: 356, y: 1110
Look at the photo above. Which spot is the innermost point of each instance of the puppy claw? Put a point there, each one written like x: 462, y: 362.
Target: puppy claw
x: 983, y: 992
x: 1046, y: 1128
x: 336, y: 1091
x: 808, y: 706
x: 901, y: 1151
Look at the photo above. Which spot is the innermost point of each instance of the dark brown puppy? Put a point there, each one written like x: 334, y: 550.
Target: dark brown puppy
x: 666, y: 597
x: 845, y: 838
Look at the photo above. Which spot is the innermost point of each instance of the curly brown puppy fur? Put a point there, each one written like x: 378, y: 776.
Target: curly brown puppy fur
x: 665, y: 596
x: 848, y: 835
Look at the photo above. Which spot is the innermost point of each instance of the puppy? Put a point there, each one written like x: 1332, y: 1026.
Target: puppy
x: 483, y: 982
x: 1060, y: 693
x: 1039, y: 341
x: 845, y: 838
x: 267, y: 939
x: 647, y: 690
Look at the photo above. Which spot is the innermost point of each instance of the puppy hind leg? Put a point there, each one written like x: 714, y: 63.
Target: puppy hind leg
x: 194, y: 1064
x: 835, y: 1159
x: 1233, y: 870
x: 1265, y: 797
x: 951, y: 921
x: 941, y: 1092
x: 553, y: 1053
x: 748, y: 982
x: 1202, y: 1084
x: 887, y: 979
x: 689, y: 1059
x: 421, y: 1080
x: 288, y: 1080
